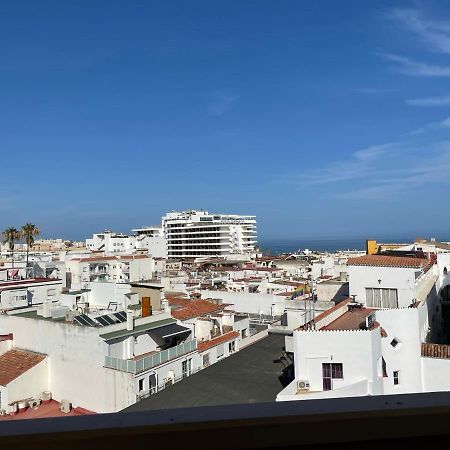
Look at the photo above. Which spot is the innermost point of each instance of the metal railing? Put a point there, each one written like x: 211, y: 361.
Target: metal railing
x: 162, y: 386
x: 151, y: 361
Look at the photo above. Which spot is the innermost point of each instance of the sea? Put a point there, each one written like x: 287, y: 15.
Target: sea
x: 276, y: 247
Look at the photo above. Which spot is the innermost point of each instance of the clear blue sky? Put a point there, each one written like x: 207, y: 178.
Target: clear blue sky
x: 323, y: 118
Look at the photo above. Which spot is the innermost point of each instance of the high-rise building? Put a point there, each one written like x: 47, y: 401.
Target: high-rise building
x: 193, y: 234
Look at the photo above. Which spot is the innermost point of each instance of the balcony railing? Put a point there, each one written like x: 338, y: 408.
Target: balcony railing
x: 143, y: 364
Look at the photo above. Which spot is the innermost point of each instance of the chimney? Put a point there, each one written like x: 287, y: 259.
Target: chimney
x: 165, y: 305
x: 46, y: 309
x: 130, y: 321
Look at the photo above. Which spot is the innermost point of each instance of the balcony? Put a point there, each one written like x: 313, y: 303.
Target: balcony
x: 148, y: 362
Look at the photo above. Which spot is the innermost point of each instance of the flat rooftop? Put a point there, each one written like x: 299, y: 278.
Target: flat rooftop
x: 252, y: 375
x: 354, y: 319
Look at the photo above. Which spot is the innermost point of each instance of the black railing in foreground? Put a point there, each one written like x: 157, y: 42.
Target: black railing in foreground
x: 363, y: 422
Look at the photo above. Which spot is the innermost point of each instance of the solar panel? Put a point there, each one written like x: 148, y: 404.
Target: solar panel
x: 101, y: 320
x: 85, y: 320
x: 121, y: 316
x: 110, y: 320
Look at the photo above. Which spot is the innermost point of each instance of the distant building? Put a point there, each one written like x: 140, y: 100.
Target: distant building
x: 195, y: 234
x: 385, y: 339
x: 150, y: 239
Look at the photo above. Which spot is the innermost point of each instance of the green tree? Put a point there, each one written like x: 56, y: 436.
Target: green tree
x: 28, y: 233
x: 10, y: 236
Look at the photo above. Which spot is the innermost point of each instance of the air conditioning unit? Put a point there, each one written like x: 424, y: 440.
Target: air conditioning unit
x: 303, y: 385
x: 46, y: 396
x: 66, y: 406
x: 34, y: 403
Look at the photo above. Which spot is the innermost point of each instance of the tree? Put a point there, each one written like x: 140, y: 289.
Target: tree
x: 29, y: 232
x: 10, y: 235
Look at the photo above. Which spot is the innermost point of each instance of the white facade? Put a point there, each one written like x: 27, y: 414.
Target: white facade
x: 194, y: 234
x: 150, y: 239
x: 116, y: 269
x: 388, y: 354
x: 408, y: 283
x: 26, y: 293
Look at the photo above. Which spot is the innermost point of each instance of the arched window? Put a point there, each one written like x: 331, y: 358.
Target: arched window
x: 445, y: 270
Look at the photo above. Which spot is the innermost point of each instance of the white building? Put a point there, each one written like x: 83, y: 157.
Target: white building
x: 382, y: 345
x: 150, y: 239
x: 19, y: 294
x: 194, y: 234
x: 114, y: 268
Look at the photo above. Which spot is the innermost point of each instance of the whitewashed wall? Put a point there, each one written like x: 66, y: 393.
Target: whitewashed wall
x: 75, y: 361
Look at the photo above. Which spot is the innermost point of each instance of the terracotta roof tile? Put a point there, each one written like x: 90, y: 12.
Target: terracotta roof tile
x: 46, y: 409
x: 15, y: 363
x: 202, y: 346
x: 5, y: 284
x: 184, y: 309
x: 390, y: 261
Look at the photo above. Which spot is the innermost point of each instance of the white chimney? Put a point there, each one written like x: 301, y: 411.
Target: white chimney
x: 165, y: 305
x: 130, y: 321
x: 46, y: 309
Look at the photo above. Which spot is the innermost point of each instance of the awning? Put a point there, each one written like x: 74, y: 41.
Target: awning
x: 162, y: 335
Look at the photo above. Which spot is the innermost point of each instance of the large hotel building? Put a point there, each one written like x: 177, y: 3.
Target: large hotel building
x: 193, y: 234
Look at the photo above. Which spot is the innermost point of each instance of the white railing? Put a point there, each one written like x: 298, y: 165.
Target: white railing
x: 151, y: 361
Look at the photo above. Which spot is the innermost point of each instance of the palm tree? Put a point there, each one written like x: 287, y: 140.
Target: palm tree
x: 29, y: 232
x: 10, y: 235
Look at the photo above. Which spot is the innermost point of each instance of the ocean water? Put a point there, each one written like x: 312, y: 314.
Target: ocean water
x: 274, y: 246
x: 323, y: 245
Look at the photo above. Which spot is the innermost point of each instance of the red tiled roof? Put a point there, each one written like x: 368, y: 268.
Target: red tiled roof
x: 202, y: 346
x: 350, y: 320
x: 390, y: 261
x: 333, y: 308
x: 46, y: 409
x: 15, y: 363
x: 95, y: 258
x: 27, y: 281
x: 184, y: 309
x: 134, y: 257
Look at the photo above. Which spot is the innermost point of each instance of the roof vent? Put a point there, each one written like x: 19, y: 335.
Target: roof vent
x: 66, y: 406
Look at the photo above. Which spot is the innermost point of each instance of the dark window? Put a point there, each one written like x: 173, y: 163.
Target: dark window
x: 331, y: 371
x: 383, y: 364
x: 445, y: 271
x: 327, y: 384
x: 396, y: 375
x: 394, y: 342
x: 336, y: 371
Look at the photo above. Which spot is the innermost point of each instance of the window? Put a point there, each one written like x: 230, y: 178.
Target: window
x: 395, y: 342
x: 331, y: 371
x: 206, y: 360
x: 445, y: 271
x: 381, y: 298
x: 396, y: 375
x: 141, y: 384
x: 383, y: 363
x: 232, y: 347
x: 186, y: 368
x: 244, y: 333
x: 51, y: 292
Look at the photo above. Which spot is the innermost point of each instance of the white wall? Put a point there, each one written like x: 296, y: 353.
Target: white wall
x: 30, y: 384
x: 409, y: 327
x: 75, y: 362
x: 358, y: 351
x: 362, y: 277
x: 254, y: 303
x: 436, y: 374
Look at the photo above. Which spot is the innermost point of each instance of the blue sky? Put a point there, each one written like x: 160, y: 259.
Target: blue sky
x: 323, y: 118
